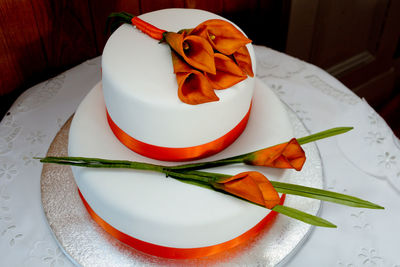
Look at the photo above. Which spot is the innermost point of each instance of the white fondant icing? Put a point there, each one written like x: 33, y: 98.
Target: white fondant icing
x: 161, y: 210
x: 140, y: 88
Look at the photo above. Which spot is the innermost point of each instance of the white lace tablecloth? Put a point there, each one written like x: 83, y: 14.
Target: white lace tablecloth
x: 364, y: 162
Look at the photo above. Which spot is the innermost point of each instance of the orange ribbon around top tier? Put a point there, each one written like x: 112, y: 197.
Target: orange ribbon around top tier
x: 182, y: 253
x: 180, y: 153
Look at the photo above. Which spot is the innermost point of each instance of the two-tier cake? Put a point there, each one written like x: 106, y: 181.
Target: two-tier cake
x: 136, y: 107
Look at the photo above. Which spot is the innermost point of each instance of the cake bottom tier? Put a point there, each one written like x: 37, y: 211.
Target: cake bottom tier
x: 162, y: 211
x: 182, y: 253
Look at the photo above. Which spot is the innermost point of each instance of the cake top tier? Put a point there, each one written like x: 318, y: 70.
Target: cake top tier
x: 141, y: 90
x: 131, y: 57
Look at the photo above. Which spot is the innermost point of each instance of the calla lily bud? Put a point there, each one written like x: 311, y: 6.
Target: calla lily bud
x: 288, y: 155
x: 252, y: 186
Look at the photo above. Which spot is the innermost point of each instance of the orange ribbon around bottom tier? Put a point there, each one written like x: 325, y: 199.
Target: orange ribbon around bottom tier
x: 182, y: 253
x: 180, y: 153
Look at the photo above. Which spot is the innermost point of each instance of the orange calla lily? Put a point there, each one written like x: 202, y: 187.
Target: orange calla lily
x: 196, y: 51
x: 243, y: 59
x: 227, y: 73
x: 288, y: 155
x: 252, y: 186
x: 193, y: 87
x: 222, y: 35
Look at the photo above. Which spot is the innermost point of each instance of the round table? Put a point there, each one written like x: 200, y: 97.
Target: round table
x: 364, y: 162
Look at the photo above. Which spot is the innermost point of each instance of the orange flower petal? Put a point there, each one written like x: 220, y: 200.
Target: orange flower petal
x: 271, y: 197
x: 194, y: 88
x: 179, y: 64
x: 195, y: 50
x: 252, y: 186
x: 243, y: 59
x: 222, y: 35
x: 175, y: 41
x: 228, y: 73
x: 200, y: 54
x: 289, y: 155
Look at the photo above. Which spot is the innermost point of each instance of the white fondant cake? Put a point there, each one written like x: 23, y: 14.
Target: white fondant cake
x: 141, y: 92
x: 160, y: 210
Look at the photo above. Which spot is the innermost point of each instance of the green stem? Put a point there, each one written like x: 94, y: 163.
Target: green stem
x: 241, y: 158
x: 208, y: 179
x: 304, y: 191
x: 209, y: 164
x: 119, y: 164
x: 102, y: 163
x: 189, y: 176
x: 98, y: 163
x: 115, y: 19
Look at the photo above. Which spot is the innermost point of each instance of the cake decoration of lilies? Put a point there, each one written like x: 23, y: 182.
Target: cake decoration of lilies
x: 250, y: 186
x: 211, y: 56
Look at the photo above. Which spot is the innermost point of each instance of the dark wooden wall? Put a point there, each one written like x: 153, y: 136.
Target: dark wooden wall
x: 358, y: 42
x: 41, y: 38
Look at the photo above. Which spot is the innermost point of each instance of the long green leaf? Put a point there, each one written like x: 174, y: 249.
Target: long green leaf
x: 309, y: 192
x: 288, y: 211
x: 321, y: 194
x: 302, y: 216
x: 323, y: 134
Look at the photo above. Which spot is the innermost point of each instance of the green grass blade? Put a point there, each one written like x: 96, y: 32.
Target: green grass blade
x: 323, y: 134
x: 302, y: 216
x: 325, y: 195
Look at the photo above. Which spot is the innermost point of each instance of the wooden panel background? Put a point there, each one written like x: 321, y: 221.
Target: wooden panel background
x: 41, y: 38
x: 20, y: 44
x: 355, y: 41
